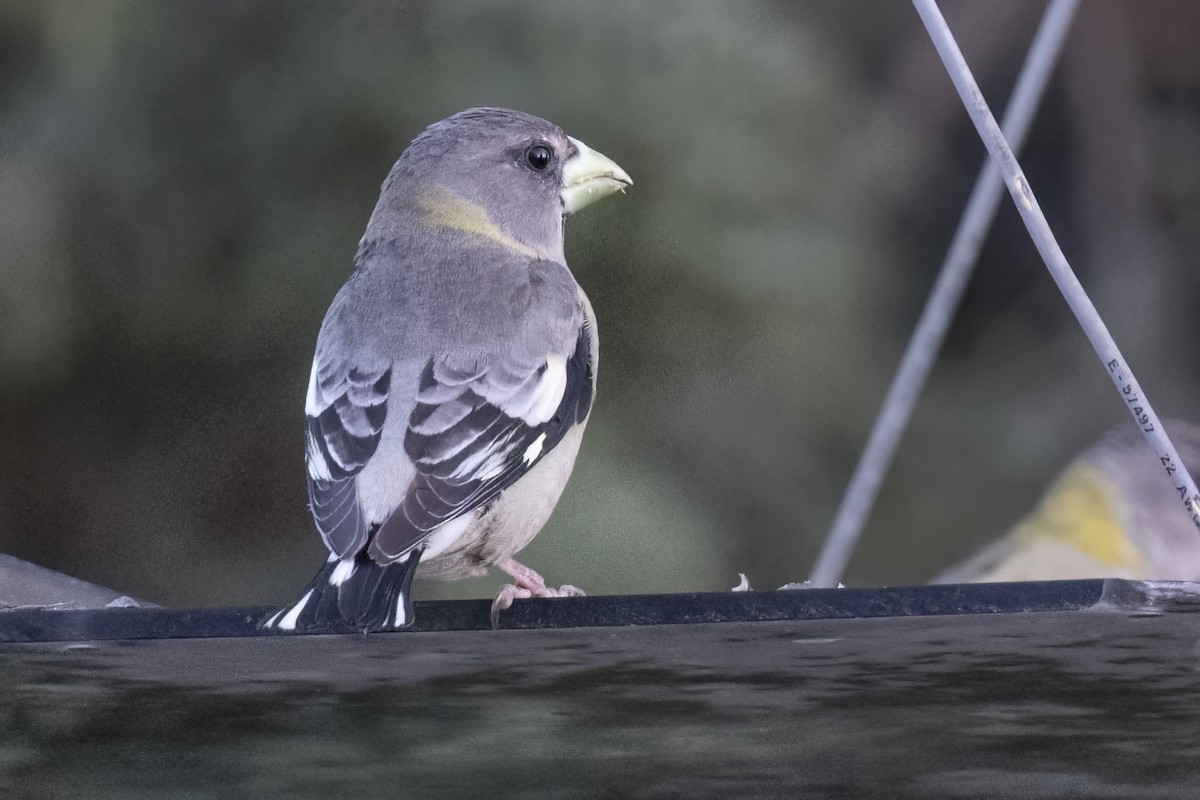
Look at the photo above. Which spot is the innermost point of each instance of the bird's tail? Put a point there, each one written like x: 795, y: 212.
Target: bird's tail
x: 353, y: 591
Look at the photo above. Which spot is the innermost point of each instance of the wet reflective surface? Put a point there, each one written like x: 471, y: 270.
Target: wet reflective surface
x: 1053, y: 704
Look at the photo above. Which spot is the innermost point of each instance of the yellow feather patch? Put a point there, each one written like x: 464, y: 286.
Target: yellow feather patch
x: 443, y: 207
x: 1078, y: 511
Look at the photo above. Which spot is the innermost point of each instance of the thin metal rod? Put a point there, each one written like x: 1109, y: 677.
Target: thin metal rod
x: 943, y: 302
x: 1039, y: 229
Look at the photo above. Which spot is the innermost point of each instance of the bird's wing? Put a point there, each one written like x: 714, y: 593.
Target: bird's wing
x: 477, y: 429
x: 344, y: 412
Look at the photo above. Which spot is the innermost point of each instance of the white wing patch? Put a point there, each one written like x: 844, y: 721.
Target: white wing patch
x: 535, y: 401
x: 472, y: 433
x: 318, y: 468
x: 550, y: 392
x: 534, y: 450
x: 312, y: 404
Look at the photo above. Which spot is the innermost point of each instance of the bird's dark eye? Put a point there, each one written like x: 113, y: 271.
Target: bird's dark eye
x: 539, y: 157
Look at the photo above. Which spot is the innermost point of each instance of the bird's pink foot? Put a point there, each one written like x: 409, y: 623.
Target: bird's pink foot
x: 526, y: 583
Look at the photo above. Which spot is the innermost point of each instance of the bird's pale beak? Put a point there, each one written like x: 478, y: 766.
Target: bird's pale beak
x: 589, y: 176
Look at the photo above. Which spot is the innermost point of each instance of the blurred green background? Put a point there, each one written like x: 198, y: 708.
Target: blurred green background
x: 183, y: 184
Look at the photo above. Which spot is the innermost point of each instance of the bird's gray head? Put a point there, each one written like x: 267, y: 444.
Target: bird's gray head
x: 497, y: 173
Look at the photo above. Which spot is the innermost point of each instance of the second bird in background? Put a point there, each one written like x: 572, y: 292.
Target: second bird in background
x: 1111, y: 513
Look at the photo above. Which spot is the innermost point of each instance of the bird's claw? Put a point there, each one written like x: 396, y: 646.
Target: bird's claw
x: 510, y: 592
x: 504, y: 600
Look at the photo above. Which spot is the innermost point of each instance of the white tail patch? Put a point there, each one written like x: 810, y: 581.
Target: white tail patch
x: 342, y: 572
x: 401, y: 618
x: 288, y: 623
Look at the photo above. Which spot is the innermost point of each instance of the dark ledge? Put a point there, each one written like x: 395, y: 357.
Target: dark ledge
x: 45, y: 625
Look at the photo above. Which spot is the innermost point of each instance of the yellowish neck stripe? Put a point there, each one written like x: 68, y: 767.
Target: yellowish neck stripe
x: 443, y: 207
